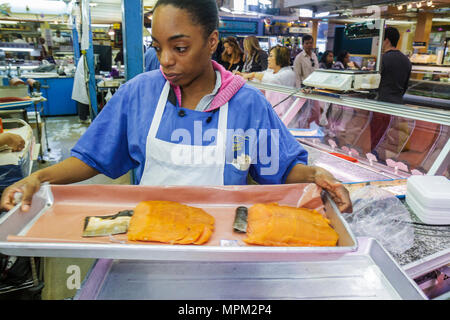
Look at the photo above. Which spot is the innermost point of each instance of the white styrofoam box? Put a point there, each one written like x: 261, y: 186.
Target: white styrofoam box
x: 426, y: 215
x: 432, y: 192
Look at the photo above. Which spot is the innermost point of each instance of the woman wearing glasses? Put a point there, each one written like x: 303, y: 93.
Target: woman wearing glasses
x: 279, y: 72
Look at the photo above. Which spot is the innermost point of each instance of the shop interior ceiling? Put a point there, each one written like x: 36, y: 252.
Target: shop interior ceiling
x: 110, y: 11
x: 344, y: 9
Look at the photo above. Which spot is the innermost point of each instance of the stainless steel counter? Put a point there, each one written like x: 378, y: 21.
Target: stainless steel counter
x: 369, y: 273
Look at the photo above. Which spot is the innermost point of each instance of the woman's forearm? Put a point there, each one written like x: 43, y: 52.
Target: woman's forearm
x: 302, y: 174
x: 258, y: 75
x: 68, y: 171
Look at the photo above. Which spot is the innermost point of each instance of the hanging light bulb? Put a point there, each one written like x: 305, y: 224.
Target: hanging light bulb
x: 419, y: 4
x: 400, y: 7
x: 429, y: 3
x: 409, y: 5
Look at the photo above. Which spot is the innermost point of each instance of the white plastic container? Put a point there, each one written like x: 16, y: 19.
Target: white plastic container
x: 429, y: 198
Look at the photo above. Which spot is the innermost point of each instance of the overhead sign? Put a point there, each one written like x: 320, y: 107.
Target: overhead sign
x: 233, y: 26
x: 300, y: 30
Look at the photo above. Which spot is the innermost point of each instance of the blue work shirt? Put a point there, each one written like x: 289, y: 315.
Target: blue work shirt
x: 115, y: 142
x: 151, y: 60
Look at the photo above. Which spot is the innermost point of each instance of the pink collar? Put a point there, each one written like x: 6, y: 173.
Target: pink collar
x: 229, y: 87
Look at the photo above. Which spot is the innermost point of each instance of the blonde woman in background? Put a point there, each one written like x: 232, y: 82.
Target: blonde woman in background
x: 232, y: 55
x: 256, y: 58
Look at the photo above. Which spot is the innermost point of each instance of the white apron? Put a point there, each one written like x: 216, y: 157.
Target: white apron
x: 169, y: 163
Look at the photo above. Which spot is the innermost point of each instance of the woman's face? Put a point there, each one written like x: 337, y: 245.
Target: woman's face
x: 228, y: 48
x: 347, y: 58
x: 181, y: 47
x: 271, y: 61
x: 330, y: 57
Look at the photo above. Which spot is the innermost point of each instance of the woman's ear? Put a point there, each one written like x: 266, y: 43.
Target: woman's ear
x: 213, y: 41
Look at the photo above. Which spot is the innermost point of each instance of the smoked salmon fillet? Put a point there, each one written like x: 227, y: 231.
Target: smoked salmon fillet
x: 170, y: 222
x: 275, y: 225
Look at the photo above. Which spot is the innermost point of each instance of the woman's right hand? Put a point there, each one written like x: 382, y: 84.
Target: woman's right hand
x: 28, y: 187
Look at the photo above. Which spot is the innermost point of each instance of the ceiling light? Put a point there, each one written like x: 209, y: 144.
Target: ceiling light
x: 225, y: 9
x: 409, y: 5
x: 400, y: 7
x: 419, y: 4
x: 93, y: 4
x: 429, y: 3
x: 17, y: 49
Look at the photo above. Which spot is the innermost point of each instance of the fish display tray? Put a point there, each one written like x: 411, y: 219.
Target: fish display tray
x: 368, y: 273
x: 53, y: 227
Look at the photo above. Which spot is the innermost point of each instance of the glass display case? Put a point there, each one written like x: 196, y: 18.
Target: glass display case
x: 359, y: 139
x: 429, y: 86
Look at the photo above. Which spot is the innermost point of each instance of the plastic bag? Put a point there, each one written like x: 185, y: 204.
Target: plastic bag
x: 377, y: 213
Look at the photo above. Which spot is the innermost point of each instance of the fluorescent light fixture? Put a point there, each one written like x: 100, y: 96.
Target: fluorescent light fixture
x: 101, y: 25
x: 8, y: 22
x: 322, y: 14
x: 441, y: 20
x: 37, y: 6
x: 267, y: 2
x: 17, y: 49
x: 306, y: 13
x: 93, y: 4
x: 225, y: 9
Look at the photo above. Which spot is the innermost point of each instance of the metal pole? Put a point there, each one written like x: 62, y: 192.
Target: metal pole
x: 380, y: 44
x: 76, y: 45
x: 133, y: 45
x: 91, y: 68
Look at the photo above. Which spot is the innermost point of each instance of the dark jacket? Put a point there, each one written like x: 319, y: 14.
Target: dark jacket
x: 257, y: 63
x: 237, y: 66
x: 395, y: 73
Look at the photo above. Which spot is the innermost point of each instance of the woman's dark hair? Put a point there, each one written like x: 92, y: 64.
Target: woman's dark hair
x: 282, y: 56
x: 324, y: 57
x: 392, y: 34
x: 341, y: 56
x: 237, y: 51
x: 203, y: 12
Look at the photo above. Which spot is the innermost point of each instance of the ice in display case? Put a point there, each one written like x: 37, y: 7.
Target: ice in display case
x: 367, y: 140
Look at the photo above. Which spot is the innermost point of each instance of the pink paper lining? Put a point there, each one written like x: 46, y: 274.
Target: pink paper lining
x: 63, y: 222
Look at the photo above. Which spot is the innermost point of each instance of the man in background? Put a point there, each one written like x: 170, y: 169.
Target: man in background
x: 306, y: 61
x: 151, y: 60
x: 395, y: 69
x: 19, y: 39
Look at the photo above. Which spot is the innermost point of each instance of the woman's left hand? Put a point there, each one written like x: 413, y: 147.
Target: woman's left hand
x: 337, y: 191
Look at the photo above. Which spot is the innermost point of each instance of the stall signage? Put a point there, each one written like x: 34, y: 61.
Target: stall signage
x: 300, y: 30
x: 419, y: 44
x: 231, y: 26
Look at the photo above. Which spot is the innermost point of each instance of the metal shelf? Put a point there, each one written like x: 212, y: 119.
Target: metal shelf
x: 406, y: 111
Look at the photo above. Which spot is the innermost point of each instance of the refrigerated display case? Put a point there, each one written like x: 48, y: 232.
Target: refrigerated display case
x: 366, y: 142
x: 383, y: 140
x: 429, y: 86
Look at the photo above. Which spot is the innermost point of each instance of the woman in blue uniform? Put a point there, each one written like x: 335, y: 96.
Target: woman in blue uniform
x: 189, y: 123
